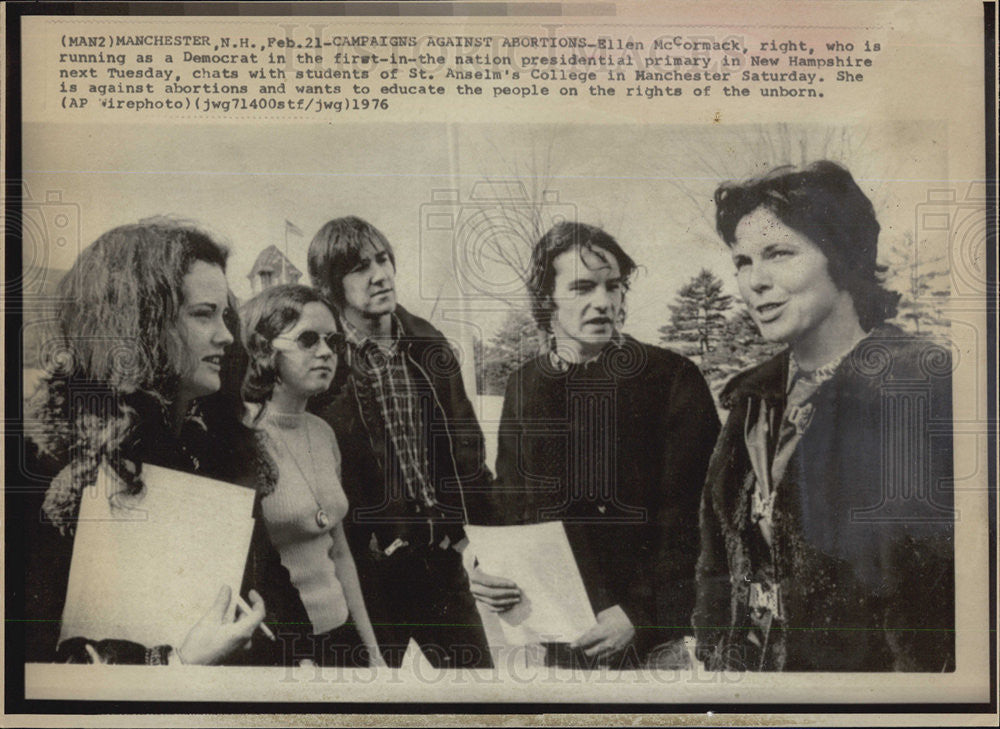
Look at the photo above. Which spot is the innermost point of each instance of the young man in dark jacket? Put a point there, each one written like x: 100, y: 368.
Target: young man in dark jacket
x: 413, y: 453
x: 612, y: 437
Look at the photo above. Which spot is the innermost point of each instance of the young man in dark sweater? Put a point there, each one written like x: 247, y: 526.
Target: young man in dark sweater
x: 611, y: 436
x: 413, y: 454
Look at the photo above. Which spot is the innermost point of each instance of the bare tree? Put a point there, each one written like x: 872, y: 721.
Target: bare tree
x: 744, y: 151
x: 509, y: 215
x: 502, y: 220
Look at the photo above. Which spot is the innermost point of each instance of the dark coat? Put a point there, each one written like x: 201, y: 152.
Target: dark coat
x: 416, y: 593
x: 862, y: 525
x: 617, y: 448
x: 456, y: 450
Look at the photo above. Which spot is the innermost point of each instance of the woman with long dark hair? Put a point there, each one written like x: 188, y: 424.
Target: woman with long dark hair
x: 295, y: 346
x: 826, y: 519
x: 142, y: 369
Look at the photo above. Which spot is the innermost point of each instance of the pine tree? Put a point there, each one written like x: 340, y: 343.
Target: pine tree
x: 514, y: 343
x: 699, y: 315
x: 740, y: 348
x: 923, y: 284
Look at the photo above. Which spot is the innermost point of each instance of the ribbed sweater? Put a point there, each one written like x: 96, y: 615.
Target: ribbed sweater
x: 304, y: 447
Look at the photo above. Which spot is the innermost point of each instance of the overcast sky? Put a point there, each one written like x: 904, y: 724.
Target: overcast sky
x: 649, y: 186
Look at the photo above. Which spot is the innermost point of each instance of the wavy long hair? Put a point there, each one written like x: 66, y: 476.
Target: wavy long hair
x: 114, y: 355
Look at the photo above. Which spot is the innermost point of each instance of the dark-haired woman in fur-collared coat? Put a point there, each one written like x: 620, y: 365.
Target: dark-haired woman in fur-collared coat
x: 827, y: 535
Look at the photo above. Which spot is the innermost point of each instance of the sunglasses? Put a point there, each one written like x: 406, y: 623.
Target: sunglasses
x: 309, y: 340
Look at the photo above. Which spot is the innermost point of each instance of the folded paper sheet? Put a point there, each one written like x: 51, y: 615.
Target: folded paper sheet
x: 554, y: 605
x: 146, y: 567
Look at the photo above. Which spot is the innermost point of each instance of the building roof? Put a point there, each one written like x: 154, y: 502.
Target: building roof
x: 273, y: 260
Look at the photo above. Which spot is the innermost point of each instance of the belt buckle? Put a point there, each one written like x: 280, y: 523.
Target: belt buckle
x: 396, y: 544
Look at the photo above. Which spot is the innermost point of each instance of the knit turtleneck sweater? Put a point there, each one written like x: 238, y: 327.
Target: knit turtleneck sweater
x: 306, y: 453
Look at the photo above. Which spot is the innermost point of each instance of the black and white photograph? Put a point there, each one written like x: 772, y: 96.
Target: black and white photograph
x: 558, y: 402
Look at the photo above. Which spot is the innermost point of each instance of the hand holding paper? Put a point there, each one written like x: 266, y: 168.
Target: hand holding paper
x: 146, y: 566
x: 497, y: 593
x: 540, y: 596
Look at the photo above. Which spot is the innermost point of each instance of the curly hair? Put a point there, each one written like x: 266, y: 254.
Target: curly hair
x: 337, y: 248
x: 559, y: 239
x: 825, y: 204
x: 266, y: 316
x: 115, y: 355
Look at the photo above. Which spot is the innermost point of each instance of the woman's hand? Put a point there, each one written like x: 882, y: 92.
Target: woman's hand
x: 214, y: 637
x: 609, y: 637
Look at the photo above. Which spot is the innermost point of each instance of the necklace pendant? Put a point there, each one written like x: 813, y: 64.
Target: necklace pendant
x: 322, y: 520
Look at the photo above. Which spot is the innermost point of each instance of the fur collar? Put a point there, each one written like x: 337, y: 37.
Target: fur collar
x: 882, y: 350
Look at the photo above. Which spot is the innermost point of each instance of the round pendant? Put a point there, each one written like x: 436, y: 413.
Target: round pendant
x: 322, y: 520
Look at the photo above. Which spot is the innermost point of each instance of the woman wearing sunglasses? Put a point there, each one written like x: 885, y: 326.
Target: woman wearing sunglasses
x: 294, y: 346
x: 826, y: 520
